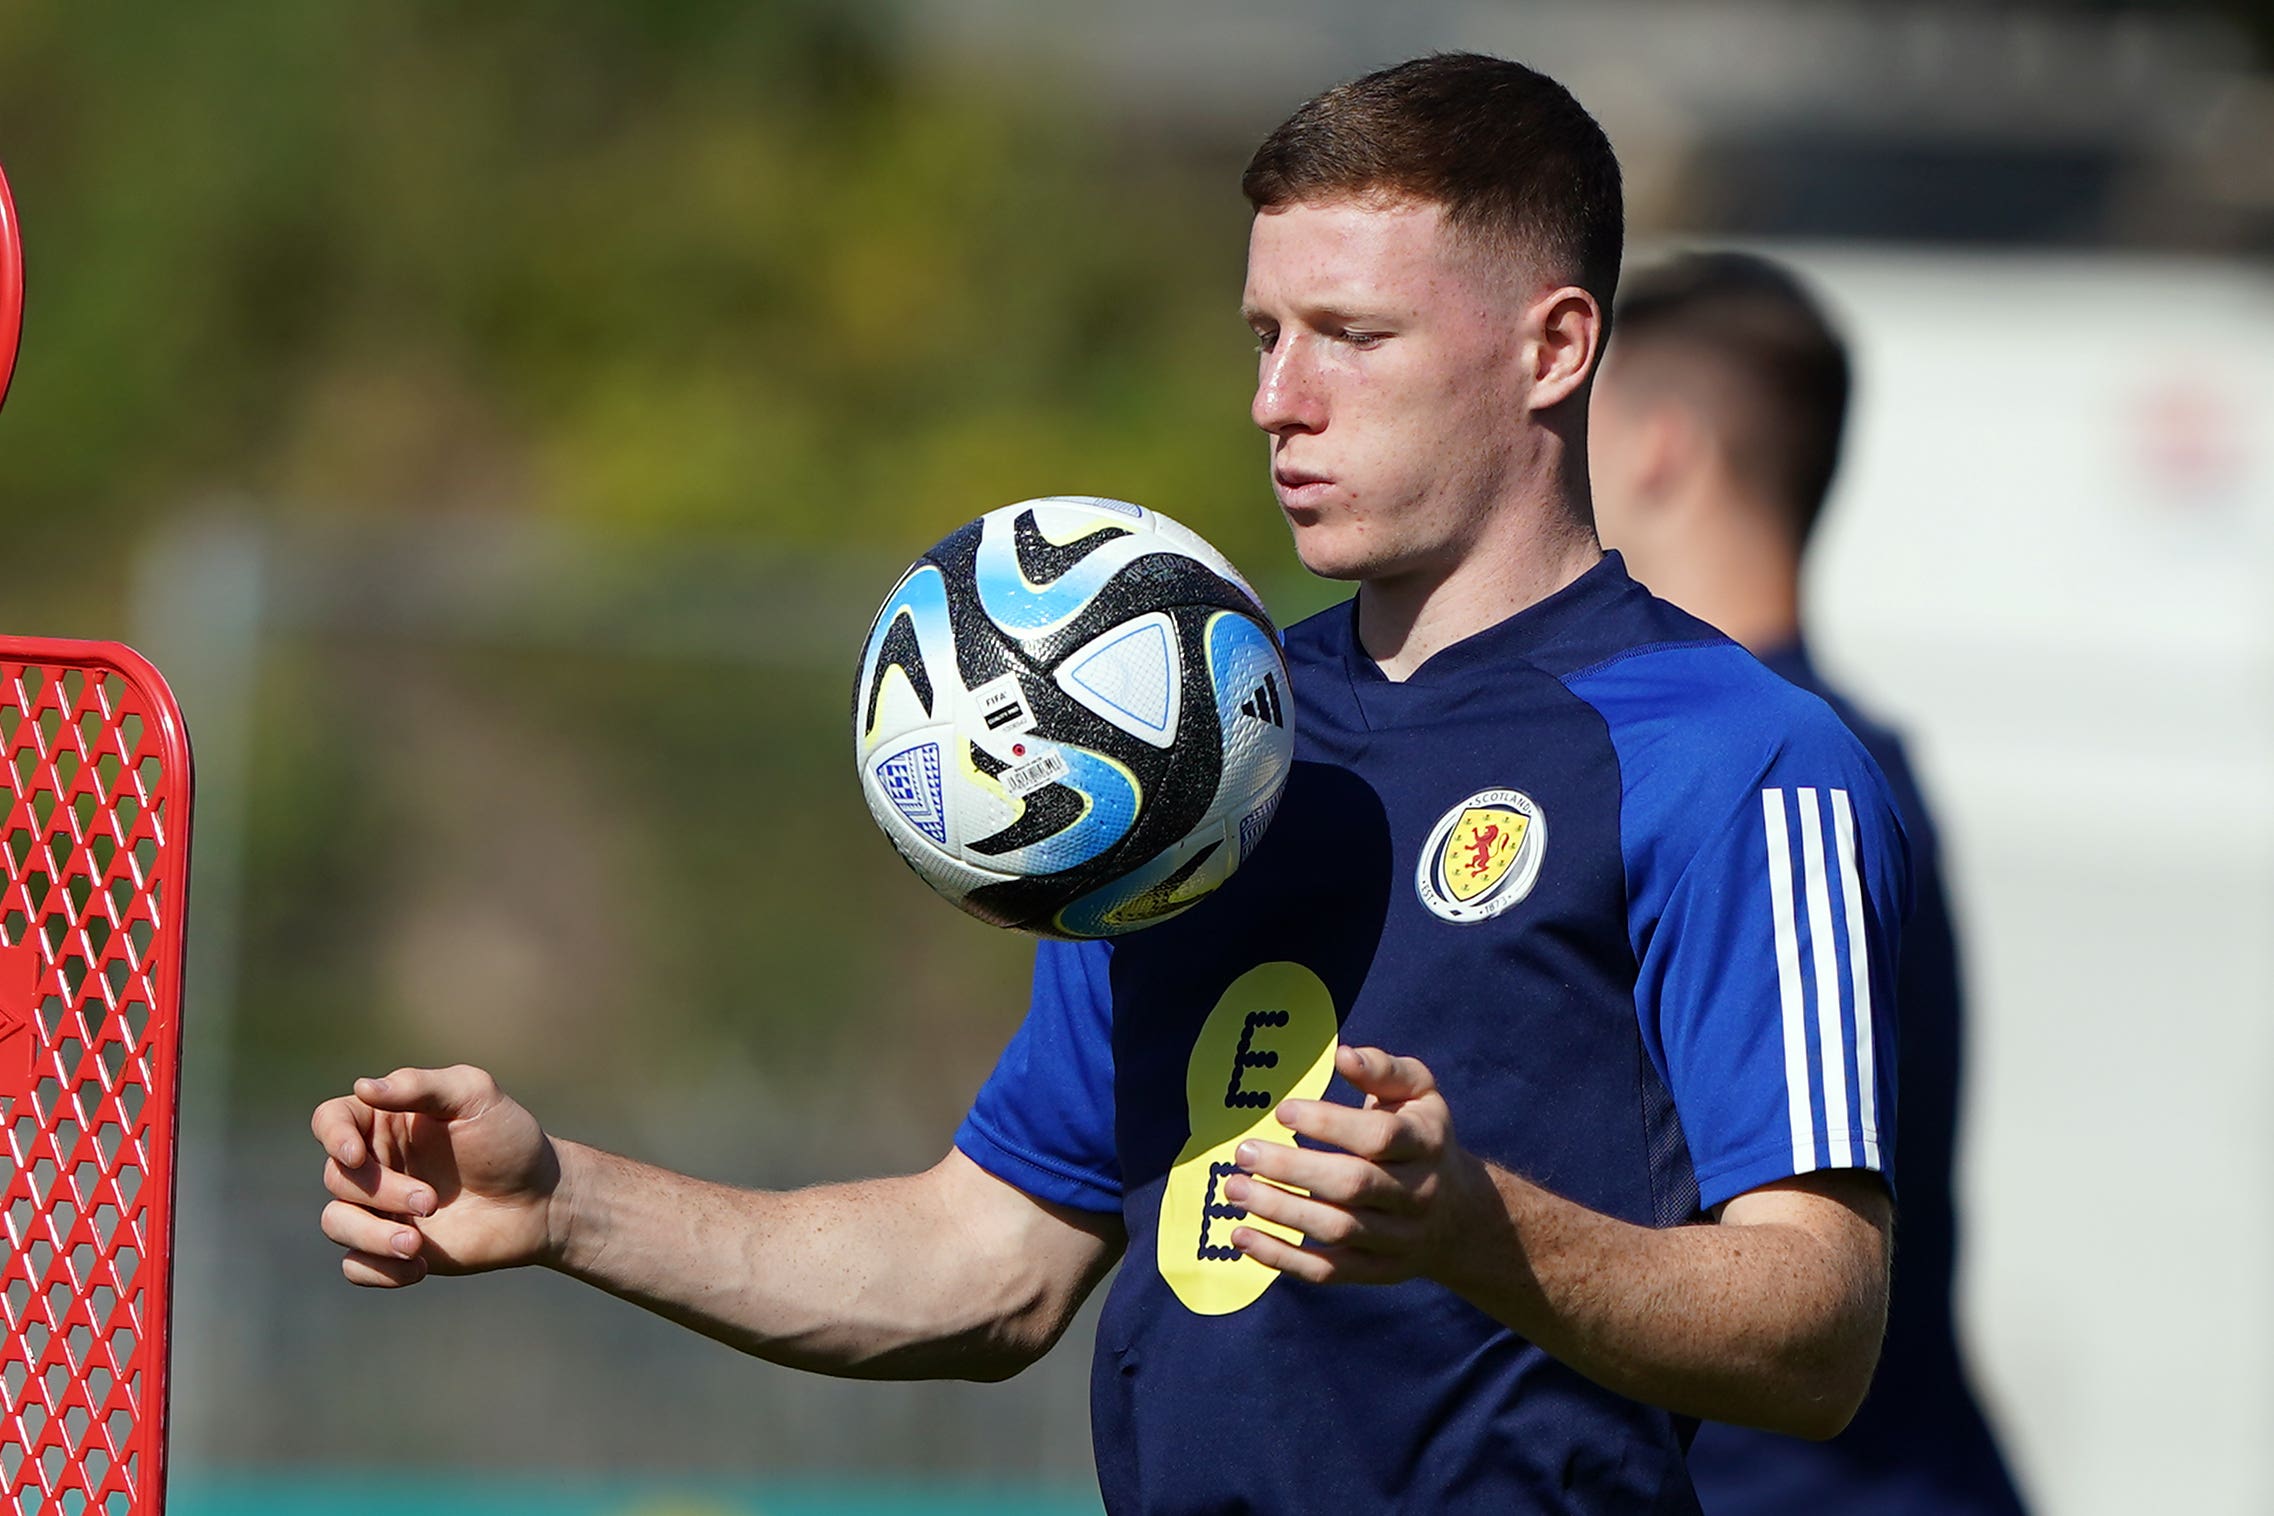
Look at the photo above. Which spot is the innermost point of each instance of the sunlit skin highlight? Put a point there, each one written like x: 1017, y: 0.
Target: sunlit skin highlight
x: 1424, y: 397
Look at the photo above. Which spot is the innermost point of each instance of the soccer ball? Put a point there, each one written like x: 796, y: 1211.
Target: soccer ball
x: 1072, y: 717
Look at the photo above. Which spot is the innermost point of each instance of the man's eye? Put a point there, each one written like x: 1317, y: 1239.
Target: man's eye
x: 1265, y: 339
x: 1363, y: 339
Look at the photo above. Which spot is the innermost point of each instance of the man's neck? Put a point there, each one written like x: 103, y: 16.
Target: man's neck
x: 1404, y: 620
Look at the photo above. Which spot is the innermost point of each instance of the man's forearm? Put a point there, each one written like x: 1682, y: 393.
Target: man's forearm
x: 1770, y: 1325
x: 884, y: 1278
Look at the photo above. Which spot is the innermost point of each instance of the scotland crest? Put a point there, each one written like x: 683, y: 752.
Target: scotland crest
x: 1482, y: 856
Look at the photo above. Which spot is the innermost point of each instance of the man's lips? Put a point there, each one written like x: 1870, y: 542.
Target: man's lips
x: 1301, y: 487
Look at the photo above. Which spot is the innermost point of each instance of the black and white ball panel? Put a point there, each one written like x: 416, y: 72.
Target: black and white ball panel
x: 1068, y: 712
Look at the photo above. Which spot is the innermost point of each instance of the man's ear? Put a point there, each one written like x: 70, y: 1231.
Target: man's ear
x: 1567, y: 342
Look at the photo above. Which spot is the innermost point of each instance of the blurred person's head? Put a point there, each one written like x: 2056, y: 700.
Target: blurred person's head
x: 1434, y: 249
x: 1715, y: 434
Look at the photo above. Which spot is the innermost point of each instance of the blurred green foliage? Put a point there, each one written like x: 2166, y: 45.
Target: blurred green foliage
x: 671, y: 270
x: 683, y: 265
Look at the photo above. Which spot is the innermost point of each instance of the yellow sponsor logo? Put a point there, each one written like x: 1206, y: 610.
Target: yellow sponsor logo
x: 1270, y: 1038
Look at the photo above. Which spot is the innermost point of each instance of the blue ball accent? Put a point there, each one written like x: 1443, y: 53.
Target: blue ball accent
x: 1026, y: 609
x: 1113, y: 801
x: 923, y: 595
x: 911, y: 781
x: 1240, y: 655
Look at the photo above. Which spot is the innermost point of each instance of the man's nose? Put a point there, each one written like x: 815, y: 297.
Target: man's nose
x: 1287, y: 393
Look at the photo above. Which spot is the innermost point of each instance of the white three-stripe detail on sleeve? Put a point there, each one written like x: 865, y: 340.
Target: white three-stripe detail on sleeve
x: 1831, y: 1042
x: 1859, y: 973
x: 1788, y: 984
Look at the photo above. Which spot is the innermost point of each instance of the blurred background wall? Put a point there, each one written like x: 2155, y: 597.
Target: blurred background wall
x: 501, y: 421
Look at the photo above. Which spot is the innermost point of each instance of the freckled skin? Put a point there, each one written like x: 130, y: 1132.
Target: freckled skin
x: 1389, y: 364
x: 1423, y: 399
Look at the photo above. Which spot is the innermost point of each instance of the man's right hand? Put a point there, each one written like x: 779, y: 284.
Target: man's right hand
x: 436, y: 1170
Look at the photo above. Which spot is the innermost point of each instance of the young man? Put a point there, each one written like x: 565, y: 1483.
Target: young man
x: 1524, y: 1096
x: 1717, y: 430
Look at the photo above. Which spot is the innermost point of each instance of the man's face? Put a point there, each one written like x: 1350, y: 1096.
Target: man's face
x: 1392, y: 377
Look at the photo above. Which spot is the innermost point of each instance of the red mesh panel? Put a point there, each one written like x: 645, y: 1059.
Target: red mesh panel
x: 94, y: 839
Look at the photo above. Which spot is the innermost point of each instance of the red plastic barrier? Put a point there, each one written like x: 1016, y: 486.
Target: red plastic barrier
x: 94, y: 842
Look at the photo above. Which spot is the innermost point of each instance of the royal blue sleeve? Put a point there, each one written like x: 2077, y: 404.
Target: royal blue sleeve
x: 1769, y: 984
x: 1768, y: 881
x: 1043, y: 1121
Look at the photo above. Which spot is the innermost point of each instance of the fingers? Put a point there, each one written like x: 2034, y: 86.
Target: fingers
x: 378, y: 1189
x: 1380, y: 1135
x: 1317, y: 1265
x: 343, y: 1127
x: 1322, y: 1224
x: 381, y: 1253
x: 456, y: 1093
x: 1384, y: 1129
x: 362, y: 1231
x: 1365, y: 1213
x: 1385, y: 1076
x: 1337, y: 1178
x: 370, y: 1200
x: 377, y: 1273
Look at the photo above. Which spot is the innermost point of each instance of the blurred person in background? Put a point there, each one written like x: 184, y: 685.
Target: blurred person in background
x: 1716, y: 432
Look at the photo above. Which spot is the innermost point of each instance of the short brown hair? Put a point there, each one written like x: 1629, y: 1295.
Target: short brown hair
x: 1515, y: 161
x: 1773, y: 353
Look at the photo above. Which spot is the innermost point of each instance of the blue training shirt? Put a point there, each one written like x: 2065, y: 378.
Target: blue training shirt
x: 1920, y: 1446
x: 1632, y: 898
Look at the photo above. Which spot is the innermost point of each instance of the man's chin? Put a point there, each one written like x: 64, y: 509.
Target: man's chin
x: 1327, y: 558
x: 1347, y: 573
x: 1348, y: 562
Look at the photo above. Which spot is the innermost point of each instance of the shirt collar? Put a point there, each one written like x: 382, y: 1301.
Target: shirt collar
x: 1518, y: 637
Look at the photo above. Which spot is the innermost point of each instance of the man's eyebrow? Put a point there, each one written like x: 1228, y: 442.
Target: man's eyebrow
x: 1325, y: 313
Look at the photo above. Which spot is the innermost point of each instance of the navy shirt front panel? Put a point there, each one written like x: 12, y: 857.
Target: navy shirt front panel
x: 1527, y: 1022
x: 1564, y: 993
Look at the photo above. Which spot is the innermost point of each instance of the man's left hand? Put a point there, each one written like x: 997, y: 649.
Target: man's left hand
x: 1379, y: 1210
